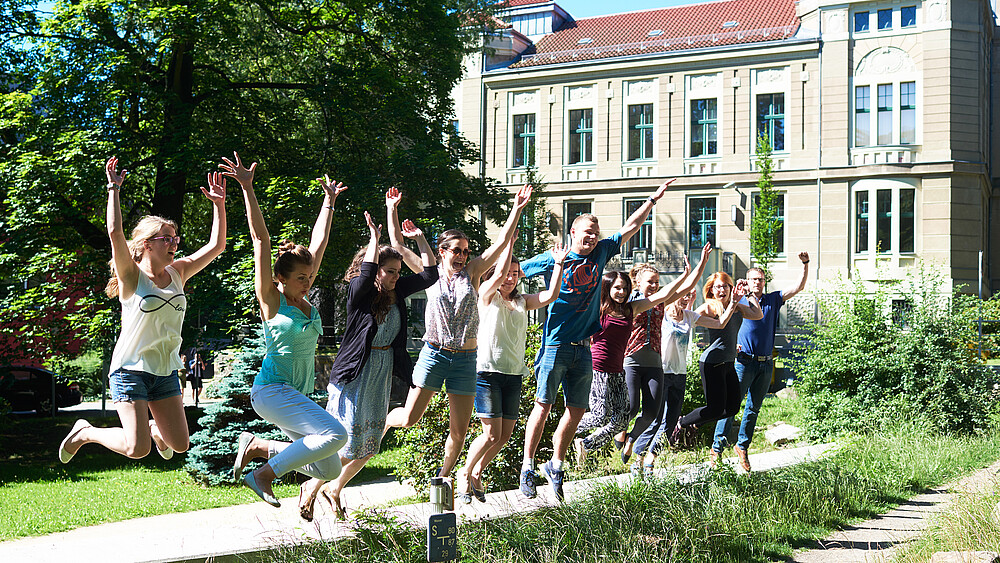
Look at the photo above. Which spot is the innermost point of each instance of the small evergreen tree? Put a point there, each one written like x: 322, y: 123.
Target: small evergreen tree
x: 764, y: 224
x: 213, y: 448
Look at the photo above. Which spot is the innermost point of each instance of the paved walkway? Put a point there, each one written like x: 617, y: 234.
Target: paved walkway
x: 224, y: 533
x: 876, y: 540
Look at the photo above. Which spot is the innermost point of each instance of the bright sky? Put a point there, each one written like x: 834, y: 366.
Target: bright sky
x: 589, y: 8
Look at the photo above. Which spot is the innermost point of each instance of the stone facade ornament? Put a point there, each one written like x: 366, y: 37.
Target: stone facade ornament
x: 885, y: 60
x: 581, y: 93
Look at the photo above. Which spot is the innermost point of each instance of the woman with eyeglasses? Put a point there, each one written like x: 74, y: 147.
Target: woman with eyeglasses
x: 149, y: 283
x: 451, y: 317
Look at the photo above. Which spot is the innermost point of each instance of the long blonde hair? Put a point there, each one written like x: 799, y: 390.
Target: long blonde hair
x: 147, y: 228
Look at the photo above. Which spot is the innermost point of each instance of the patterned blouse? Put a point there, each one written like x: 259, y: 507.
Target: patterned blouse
x: 646, y: 329
x: 451, y: 316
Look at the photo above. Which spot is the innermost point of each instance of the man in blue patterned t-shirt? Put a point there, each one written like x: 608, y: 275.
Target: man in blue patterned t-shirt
x: 564, y: 358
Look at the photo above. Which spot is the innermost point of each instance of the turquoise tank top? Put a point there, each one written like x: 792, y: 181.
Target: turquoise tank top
x: 290, y: 337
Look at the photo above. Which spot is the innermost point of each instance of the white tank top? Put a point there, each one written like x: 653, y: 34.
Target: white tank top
x: 503, y: 328
x: 150, y: 340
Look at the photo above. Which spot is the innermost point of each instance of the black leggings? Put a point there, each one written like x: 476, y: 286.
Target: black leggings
x: 645, y: 387
x: 722, y: 394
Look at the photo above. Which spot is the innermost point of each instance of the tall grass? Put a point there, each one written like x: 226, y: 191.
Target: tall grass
x: 725, y: 517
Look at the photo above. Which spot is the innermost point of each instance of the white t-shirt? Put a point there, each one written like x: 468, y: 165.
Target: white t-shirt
x: 675, y: 339
x: 150, y: 339
x: 503, y: 328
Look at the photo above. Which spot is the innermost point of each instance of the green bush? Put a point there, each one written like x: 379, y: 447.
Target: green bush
x: 423, y: 444
x: 213, y: 448
x: 874, y: 358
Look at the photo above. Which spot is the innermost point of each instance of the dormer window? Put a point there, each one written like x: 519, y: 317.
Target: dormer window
x: 655, y: 33
x: 730, y: 24
x: 584, y: 41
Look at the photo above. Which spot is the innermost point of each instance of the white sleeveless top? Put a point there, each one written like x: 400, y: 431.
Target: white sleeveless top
x: 150, y: 339
x: 503, y: 328
x: 674, y: 341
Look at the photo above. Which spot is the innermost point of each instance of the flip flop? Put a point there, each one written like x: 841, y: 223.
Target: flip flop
x: 339, y: 510
x: 65, y: 456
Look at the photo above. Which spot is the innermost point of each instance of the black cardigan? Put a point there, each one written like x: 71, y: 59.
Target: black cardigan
x: 356, y: 346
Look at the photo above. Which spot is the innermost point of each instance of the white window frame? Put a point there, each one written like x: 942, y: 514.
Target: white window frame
x: 770, y: 80
x: 872, y: 187
x: 687, y: 220
x: 700, y: 87
x: 637, y: 92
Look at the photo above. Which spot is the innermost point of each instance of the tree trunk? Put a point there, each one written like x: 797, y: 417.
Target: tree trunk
x: 174, y: 157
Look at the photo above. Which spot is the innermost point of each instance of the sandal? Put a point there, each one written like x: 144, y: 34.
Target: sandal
x: 306, y: 512
x: 339, y: 510
x: 78, y: 426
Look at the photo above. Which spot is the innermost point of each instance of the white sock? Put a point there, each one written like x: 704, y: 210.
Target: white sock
x: 528, y: 464
x: 557, y: 464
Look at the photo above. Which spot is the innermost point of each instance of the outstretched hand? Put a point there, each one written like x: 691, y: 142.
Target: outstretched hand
x: 741, y: 288
x: 706, y: 250
x: 216, y: 188
x: 559, y: 252
x: 330, y: 187
x: 110, y: 169
x: 663, y: 189
x: 237, y: 171
x: 522, y: 197
x: 410, y: 230
x: 804, y: 257
x: 375, y: 230
x: 392, y: 197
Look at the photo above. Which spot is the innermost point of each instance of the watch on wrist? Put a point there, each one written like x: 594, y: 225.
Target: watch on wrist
x: 112, y: 186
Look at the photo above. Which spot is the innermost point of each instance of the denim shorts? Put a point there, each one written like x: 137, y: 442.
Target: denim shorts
x: 130, y: 386
x: 455, y: 370
x: 568, y: 364
x: 498, y: 395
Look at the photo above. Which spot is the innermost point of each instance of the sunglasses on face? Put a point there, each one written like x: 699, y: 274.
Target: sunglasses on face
x: 174, y: 239
x: 459, y: 251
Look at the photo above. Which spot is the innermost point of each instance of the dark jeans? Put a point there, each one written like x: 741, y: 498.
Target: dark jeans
x: 673, y: 400
x: 645, y: 387
x: 722, y: 394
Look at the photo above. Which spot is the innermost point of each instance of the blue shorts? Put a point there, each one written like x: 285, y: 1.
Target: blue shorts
x: 568, y: 364
x: 455, y: 370
x: 498, y: 395
x: 130, y: 386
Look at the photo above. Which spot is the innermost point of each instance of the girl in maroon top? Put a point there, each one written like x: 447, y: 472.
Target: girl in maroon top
x: 608, y: 394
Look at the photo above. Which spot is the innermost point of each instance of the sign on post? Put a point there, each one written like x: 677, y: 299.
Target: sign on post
x: 442, y: 537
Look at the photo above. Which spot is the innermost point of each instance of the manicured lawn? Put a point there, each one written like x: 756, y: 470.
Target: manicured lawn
x: 39, y: 495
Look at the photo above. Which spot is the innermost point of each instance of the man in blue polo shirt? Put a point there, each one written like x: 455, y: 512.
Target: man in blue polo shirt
x: 754, y: 360
x: 564, y: 358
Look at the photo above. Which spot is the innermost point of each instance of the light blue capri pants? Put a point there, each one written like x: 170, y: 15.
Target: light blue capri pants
x: 316, y: 434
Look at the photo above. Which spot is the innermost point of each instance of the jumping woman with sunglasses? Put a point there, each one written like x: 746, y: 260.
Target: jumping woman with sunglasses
x: 448, y: 358
x: 149, y: 283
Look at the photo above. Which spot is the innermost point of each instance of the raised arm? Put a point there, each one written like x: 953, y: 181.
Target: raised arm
x: 667, y: 294
x: 751, y: 312
x: 427, y: 258
x: 267, y: 293
x: 412, y: 261
x: 637, y: 218
x: 125, y: 267
x: 216, y: 193
x: 321, y: 230
x: 375, y: 232
x: 718, y: 323
x: 489, y: 288
x: 543, y: 298
x: 481, y: 263
x: 790, y: 292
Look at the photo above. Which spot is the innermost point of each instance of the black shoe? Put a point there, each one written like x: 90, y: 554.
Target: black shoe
x: 555, y: 477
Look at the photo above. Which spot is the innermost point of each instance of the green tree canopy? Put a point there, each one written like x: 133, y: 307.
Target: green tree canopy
x: 358, y: 89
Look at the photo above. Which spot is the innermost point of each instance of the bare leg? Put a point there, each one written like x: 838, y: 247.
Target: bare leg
x: 408, y: 415
x: 492, y: 431
x: 131, y: 440
x: 171, y: 423
x: 331, y: 491
x: 460, y: 409
x: 534, y: 428
x: 475, y: 476
x: 564, y: 433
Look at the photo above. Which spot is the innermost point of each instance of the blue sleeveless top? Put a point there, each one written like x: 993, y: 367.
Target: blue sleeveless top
x: 290, y: 337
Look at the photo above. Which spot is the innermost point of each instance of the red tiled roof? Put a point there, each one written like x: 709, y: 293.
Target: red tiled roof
x: 684, y: 27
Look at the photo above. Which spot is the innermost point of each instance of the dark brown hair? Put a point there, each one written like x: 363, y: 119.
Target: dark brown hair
x: 493, y: 268
x: 609, y: 305
x: 291, y: 255
x: 382, y: 300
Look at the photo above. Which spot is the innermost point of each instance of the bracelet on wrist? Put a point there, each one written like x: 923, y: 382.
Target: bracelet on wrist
x: 805, y: 261
x: 651, y: 200
x: 113, y: 186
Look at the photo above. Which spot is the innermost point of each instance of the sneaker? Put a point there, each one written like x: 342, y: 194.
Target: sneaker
x: 528, y: 483
x: 581, y: 452
x: 636, y: 470
x: 744, y: 458
x: 555, y: 477
x: 647, y: 470
x: 714, y: 457
x: 466, y: 498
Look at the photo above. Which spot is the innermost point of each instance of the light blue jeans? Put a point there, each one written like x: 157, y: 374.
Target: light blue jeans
x: 755, y: 379
x: 317, y: 435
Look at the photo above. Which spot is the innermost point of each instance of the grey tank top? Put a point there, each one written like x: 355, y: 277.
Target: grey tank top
x: 723, y: 342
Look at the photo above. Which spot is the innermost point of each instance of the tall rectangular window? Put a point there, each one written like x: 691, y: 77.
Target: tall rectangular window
x: 771, y: 119
x: 885, y: 19
x: 908, y: 16
x: 524, y: 140
x: 701, y: 222
x: 779, y: 232
x: 907, y: 220
x: 883, y: 220
x: 907, y: 113
x: 861, y: 222
x: 704, y: 127
x: 862, y: 116
x: 572, y: 210
x: 640, y: 131
x: 642, y: 240
x: 860, y: 22
x: 581, y: 136
x: 885, y: 114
